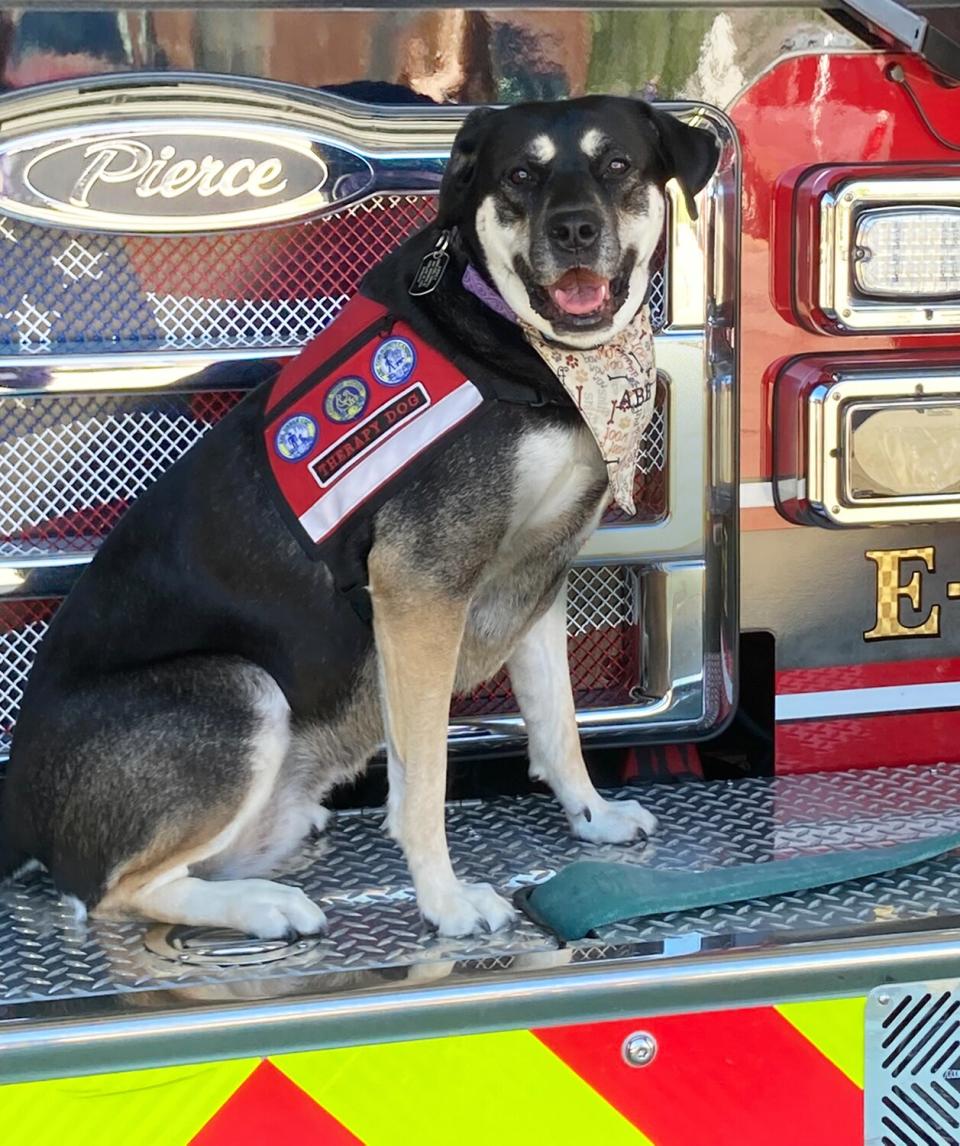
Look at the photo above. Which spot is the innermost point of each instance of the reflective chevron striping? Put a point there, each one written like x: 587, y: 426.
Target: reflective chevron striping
x: 764, y: 1076
x: 728, y: 1078
x: 267, y: 1108
x: 836, y: 1029
x: 159, y: 1107
x: 472, y: 1090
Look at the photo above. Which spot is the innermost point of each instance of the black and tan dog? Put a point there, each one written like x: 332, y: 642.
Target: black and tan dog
x: 206, y: 683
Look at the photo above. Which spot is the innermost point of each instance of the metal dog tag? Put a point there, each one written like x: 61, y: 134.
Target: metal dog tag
x: 431, y: 269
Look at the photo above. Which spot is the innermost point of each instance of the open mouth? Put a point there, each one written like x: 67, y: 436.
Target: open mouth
x: 580, y: 293
x: 581, y: 298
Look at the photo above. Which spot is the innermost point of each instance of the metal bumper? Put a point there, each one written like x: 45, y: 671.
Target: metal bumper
x: 96, y: 997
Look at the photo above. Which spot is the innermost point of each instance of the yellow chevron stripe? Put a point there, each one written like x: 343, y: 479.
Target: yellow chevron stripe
x: 472, y: 1090
x: 836, y: 1029
x: 159, y: 1107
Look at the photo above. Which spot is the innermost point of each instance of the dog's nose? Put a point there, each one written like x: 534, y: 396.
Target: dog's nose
x: 576, y: 230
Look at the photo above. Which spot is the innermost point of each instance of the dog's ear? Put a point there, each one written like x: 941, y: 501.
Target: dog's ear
x: 689, y: 154
x: 462, y: 164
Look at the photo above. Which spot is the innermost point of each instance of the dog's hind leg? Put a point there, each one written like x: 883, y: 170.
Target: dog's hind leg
x: 418, y: 635
x: 540, y: 675
x: 158, y: 882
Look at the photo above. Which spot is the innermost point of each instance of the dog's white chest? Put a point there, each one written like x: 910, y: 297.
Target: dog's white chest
x: 559, y: 490
x: 555, y: 468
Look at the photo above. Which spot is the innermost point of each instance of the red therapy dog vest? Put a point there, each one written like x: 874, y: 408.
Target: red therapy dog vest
x: 358, y: 405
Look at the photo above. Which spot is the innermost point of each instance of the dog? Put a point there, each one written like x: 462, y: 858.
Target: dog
x: 206, y: 683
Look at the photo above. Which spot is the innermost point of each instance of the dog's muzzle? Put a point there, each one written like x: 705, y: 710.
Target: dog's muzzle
x: 575, y: 267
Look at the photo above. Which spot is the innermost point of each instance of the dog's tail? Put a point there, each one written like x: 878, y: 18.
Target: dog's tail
x: 12, y: 859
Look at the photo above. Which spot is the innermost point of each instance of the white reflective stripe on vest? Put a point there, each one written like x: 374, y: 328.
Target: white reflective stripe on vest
x: 338, y: 502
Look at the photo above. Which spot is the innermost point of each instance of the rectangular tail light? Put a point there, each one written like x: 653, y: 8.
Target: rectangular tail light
x: 877, y: 252
x: 873, y: 444
x: 907, y: 253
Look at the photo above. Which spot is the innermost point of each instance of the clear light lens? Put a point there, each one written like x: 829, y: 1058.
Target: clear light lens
x: 908, y: 252
x: 907, y: 450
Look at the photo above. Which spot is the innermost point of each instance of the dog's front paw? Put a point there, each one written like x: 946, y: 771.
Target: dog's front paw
x: 613, y: 822
x: 271, y: 910
x: 466, y: 909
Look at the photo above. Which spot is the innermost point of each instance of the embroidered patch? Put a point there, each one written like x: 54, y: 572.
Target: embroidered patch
x: 296, y: 437
x: 358, y: 441
x: 394, y: 361
x: 346, y: 400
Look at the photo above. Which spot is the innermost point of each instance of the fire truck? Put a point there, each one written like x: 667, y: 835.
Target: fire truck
x: 769, y: 649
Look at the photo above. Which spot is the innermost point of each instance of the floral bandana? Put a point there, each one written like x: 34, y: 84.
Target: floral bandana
x: 614, y: 387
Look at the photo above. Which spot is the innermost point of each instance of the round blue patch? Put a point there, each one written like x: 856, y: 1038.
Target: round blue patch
x: 296, y: 437
x: 394, y: 361
x: 346, y: 400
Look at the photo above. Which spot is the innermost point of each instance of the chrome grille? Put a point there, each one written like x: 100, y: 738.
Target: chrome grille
x: 69, y: 291
x: 71, y: 464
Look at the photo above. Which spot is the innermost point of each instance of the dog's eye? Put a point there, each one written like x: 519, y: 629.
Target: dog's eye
x: 618, y: 166
x: 519, y: 176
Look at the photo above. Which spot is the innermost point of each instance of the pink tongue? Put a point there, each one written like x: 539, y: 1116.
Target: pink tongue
x: 580, y: 297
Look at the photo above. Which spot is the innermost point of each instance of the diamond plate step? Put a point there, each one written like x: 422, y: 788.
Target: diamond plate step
x: 358, y: 876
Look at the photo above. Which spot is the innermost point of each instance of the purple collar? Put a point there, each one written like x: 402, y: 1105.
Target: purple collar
x: 477, y: 285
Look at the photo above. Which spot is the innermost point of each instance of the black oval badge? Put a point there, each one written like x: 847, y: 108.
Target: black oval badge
x: 156, y: 177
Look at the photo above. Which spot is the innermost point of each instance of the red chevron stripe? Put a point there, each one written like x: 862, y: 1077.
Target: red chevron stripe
x: 267, y: 1108
x: 731, y: 1078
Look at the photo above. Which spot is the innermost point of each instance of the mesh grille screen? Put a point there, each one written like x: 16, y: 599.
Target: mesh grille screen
x: 22, y: 624
x: 602, y: 645
x: 71, y: 463
x: 63, y: 291
x: 650, y: 482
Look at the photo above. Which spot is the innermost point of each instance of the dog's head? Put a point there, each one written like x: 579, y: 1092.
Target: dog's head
x: 563, y: 203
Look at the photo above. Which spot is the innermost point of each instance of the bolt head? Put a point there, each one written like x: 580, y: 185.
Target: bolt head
x: 639, y: 1049
x: 883, y: 999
